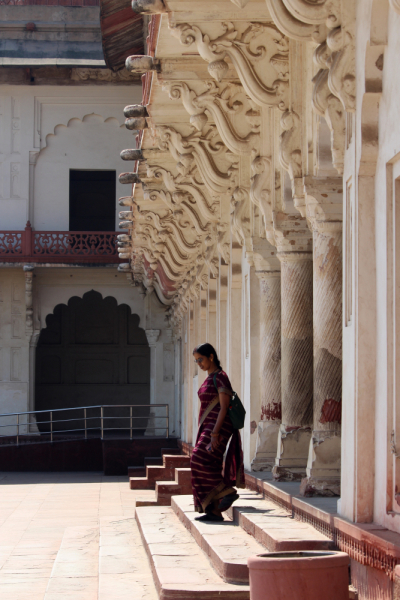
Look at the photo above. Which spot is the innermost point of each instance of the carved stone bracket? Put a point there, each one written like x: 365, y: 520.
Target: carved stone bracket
x: 260, y: 55
x: 152, y: 336
x: 236, y: 117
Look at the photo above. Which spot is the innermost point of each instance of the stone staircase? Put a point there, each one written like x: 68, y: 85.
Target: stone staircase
x: 155, y: 473
x: 140, y: 471
x: 164, y: 553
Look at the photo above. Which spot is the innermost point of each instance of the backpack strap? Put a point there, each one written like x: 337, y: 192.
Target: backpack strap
x: 208, y: 410
x: 213, y: 402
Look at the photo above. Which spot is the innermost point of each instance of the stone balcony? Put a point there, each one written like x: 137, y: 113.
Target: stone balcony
x: 77, y: 247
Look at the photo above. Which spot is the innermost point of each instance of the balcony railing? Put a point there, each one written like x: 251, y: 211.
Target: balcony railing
x: 58, y: 246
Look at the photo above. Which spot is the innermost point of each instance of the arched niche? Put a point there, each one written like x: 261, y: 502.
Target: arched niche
x: 92, y: 352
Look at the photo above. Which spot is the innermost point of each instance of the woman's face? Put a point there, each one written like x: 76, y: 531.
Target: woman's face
x: 203, y: 362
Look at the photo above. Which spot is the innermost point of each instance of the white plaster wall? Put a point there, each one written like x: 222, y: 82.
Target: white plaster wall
x: 93, y: 143
x: 14, y: 349
x: 29, y: 114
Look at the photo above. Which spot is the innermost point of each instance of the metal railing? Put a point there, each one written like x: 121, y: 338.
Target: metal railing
x: 94, y: 421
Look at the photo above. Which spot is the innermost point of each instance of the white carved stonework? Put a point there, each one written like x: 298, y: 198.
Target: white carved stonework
x: 152, y: 336
x: 241, y: 216
x: 202, y: 152
x: 101, y: 75
x: 236, y: 117
x: 259, y: 54
x: 324, y: 201
x: 15, y: 126
x: 15, y: 171
x: 15, y: 364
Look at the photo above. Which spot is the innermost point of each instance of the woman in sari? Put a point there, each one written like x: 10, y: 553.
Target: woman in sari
x: 212, y: 481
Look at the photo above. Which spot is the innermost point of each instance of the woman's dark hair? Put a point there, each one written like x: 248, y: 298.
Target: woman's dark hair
x: 206, y: 350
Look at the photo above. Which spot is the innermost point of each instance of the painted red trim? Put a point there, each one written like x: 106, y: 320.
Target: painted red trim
x: 58, y: 246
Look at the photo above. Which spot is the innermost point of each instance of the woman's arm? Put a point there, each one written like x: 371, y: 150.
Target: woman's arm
x: 224, y: 400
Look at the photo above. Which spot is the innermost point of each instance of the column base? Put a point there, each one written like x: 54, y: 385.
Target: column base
x: 267, y: 439
x: 317, y: 486
x: 293, y: 447
x: 323, y: 466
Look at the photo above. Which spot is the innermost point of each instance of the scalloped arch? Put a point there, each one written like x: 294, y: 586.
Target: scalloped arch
x: 89, y: 118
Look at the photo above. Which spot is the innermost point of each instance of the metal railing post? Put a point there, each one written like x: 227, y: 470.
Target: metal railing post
x: 17, y: 430
x: 84, y: 415
x: 167, y: 407
x: 101, y: 419
x: 51, y: 426
x: 130, y: 421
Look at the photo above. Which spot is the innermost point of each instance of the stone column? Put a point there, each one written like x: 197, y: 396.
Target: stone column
x: 222, y: 314
x: 324, y: 208
x: 270, y: 366
x: 152, y: 337
x: 235, y: 357
x: 297, y: 360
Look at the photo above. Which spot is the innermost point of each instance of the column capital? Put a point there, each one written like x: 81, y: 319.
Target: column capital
x: 324, y: 202
x: 294, y: 256
x: 152, y: 336
x: 266, y: 266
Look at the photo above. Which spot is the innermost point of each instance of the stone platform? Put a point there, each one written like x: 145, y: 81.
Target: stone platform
x: 78, y: 536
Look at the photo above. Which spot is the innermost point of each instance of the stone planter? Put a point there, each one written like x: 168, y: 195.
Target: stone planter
x: 304, y: 575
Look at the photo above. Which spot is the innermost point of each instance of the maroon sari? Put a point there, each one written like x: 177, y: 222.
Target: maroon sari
x: 211, y: 479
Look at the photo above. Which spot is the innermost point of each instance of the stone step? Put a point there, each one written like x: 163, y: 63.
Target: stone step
x: 148, y: 500
x: 170, y: 451
x: 226, y: 544
x: 136, y: 471
x: 166, y: 489
x: 76, y: 568
x: 166, y: 472
x: 124, y: 569
x: 180, y: 568
x: 155, y: 461
x: 175, y: 461
x: 274, y: 527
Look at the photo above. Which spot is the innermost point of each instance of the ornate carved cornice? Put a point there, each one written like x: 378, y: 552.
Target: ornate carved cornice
x: 235, y: 116
x: 260, y: 55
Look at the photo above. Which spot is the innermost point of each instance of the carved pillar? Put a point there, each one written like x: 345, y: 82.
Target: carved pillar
x: 270, y: 369
x: 235, y: 319
x: 152, y: 337
x: 222, y: 314
x: 297, y: 365
x: 324, y: 209
x: 212, y: 312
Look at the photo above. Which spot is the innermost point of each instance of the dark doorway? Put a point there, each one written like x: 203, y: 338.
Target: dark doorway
x: 92, y: 200
x: 92, y: 352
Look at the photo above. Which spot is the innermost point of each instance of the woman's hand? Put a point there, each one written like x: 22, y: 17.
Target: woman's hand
x: 215, y: 442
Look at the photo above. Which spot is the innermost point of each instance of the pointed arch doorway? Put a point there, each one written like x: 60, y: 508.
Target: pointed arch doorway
x: 92, y: 352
